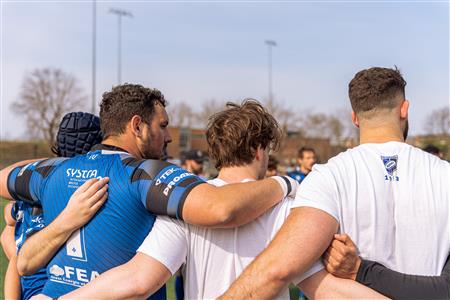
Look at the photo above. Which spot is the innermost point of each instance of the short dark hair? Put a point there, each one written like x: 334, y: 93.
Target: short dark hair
x: 234, y: 134
x: 432, y: 149
x: 376, y: 88
x: 303, y: 150
x: 125, y: 101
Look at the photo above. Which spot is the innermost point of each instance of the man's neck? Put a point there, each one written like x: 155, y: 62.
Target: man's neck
x: 120, y: 141
x: 303, y: 170
x: 378, y: 134
x: 237, y: 174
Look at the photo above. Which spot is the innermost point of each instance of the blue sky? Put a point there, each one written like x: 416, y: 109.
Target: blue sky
x: 198, y: 51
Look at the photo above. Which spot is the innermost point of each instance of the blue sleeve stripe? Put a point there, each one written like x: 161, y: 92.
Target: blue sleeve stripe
x: 174, y: 201
x: 11, y: 183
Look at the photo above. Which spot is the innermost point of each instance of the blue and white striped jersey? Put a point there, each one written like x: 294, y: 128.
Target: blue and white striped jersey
x: 138, y: 190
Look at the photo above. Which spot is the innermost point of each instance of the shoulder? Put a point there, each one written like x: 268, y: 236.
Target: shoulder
x: 216, y: 182
x: 45, y: 167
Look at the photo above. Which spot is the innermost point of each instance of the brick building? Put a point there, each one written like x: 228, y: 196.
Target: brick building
x: 185, y: 139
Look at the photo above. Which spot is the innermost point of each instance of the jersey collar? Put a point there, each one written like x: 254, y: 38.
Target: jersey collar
x: 107, y: 147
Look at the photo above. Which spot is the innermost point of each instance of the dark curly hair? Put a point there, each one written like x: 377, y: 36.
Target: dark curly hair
x: 376, y: 88
x: 125, y: 101
x: 234, y: 134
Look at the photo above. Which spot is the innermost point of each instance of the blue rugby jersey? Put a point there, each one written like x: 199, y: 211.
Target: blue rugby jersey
x: 297, y: 175
x: 29, y: 220
x: 138, y: 189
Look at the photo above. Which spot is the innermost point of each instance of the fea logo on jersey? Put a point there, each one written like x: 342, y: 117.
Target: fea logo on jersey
x: 71, y: 275
x: 390, y: 165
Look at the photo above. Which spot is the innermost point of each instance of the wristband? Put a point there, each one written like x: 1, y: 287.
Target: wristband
x: 284, y: 183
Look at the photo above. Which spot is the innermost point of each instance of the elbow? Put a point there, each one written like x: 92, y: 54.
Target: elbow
x: 138, y: 286
x: 23, y: 267
x: 223, y: 217
x: 280, y: 275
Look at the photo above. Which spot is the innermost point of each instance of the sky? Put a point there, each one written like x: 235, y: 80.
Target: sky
x: 196, y: 51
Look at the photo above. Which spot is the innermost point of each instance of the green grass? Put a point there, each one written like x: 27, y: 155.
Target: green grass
x: 3, y: 260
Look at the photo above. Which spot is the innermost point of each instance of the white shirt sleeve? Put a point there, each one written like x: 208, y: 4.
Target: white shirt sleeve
x: 318, y: 190
x: 167, y: 243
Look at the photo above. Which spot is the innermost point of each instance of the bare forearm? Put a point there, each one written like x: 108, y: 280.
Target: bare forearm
x: 111, y: 285
x: 231, y: 205
x: 12, y: 281
x: 307, y: 231
x: 323, y: 285
x: 138, y: 279
x: 251, y: 201
x: 40, y: 248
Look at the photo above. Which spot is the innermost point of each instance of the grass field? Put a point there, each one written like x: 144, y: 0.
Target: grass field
x: 3, y: 260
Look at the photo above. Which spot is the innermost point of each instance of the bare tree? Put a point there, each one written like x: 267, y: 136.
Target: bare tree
x: 181, y: 114
x: 438, y: 121
x: 208, y: 108
x: 350, y: 131
x: 331, y: 126
x: 46, y: 95
x: 287, y: 117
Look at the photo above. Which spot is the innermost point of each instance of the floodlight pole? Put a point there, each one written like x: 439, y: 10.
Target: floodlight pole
x: 94, y: 42
x: 120, y: 13
x: 270, y: 44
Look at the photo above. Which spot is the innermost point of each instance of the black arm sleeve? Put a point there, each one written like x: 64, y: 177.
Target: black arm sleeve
x: 163, y: 187
x: 402, y: 286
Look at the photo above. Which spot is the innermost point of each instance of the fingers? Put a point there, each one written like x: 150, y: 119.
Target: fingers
x: 98, y: 195
x: 85, y: 186
x: 96, y: 186
x: 342, y: 237
x: 331, y: 264
x: 99, y: 203
x: 337, y: 251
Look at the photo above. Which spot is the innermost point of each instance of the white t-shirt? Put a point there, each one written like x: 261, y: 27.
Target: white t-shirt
x: 213, y: 258
x: 392, y: 199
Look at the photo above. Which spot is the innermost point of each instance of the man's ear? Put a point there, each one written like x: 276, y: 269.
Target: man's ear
x: 136, y: 125
x: 259, y: 153
x: 355, y: 119
x: 404, y: 109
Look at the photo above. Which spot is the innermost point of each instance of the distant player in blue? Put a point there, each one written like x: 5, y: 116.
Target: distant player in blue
x: 306, y: 160
x: 77, y: 133
x: 134, y: 123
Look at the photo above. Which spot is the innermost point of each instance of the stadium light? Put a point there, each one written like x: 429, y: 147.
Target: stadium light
x: 120, y: 13
x: 94, y: 52
x: 270, y: 44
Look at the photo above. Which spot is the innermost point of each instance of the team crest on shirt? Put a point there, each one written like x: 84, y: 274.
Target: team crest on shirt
x: 390, y: 165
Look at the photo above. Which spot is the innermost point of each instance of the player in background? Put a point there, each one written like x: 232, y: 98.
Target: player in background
x: 212, y: 258
x: 393, y: 199
x: 434, y: 150
x: 193, y: 160
x: 77, y: 133
x: 134, y: 123
x: 306, y: 160
x: 272, y: 167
